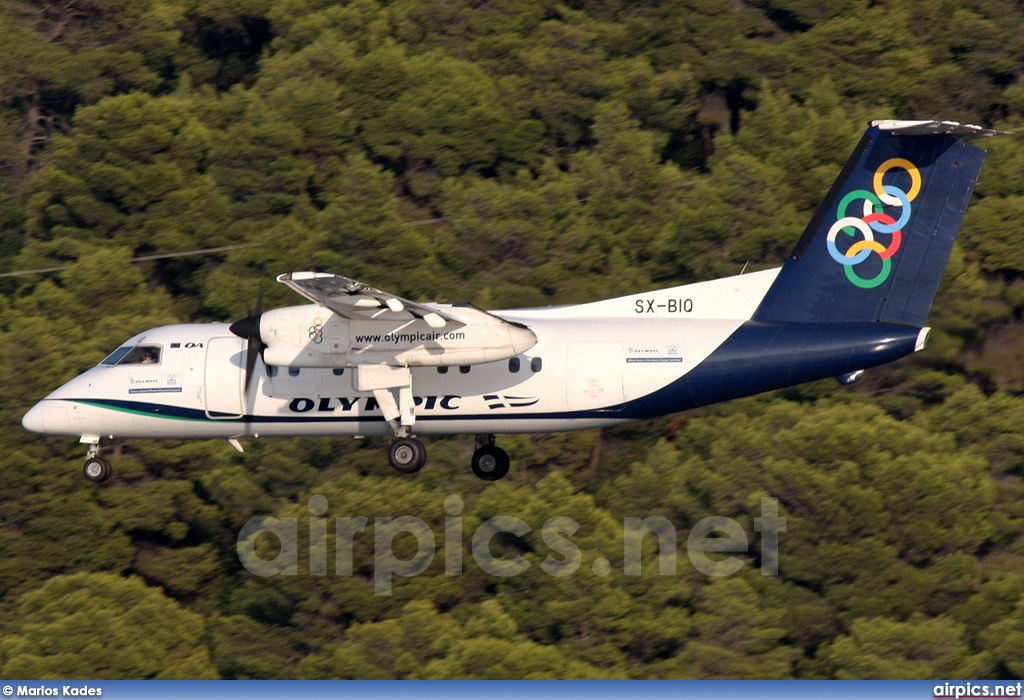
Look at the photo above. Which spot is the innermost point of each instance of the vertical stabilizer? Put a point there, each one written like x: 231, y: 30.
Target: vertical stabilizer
x: 876, y: 248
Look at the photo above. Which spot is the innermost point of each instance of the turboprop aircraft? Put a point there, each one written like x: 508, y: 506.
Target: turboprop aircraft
x: 854, y: 294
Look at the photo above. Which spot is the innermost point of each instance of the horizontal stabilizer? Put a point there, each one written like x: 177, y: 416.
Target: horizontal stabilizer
x: 931, y: 127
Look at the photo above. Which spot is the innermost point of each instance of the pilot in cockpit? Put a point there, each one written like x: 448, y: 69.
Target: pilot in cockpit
x: 139, y: 355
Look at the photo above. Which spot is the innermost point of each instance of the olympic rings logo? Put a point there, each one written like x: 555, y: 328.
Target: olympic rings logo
x: 316, y: 331
x: 874, y: 220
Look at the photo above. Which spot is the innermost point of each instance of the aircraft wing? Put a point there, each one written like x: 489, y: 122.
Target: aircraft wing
x: 352, y: 299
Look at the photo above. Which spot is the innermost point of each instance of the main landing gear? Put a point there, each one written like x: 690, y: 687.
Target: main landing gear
x: 490, y: 463
x: 392, y: 389
x: 407, y: 455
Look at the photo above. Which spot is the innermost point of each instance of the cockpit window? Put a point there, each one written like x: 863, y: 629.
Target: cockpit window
x: 134, y: 355
x: 113, y: 357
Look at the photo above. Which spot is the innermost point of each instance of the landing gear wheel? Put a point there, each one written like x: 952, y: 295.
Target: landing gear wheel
x: 97, y: 469
x: 490, y: 462
x: 407, y: 455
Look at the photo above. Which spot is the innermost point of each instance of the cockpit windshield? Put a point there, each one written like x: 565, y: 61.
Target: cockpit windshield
x: 134, y: 355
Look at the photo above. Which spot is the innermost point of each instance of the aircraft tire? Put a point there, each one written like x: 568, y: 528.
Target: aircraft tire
x: 97, y: 469
x: 490, y: 462
x: 407, y: 455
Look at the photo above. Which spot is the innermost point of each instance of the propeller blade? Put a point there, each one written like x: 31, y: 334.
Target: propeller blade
x: 249, y: 329
x: 252, y: 353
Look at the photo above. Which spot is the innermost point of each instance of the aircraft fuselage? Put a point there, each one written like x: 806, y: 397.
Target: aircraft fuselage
x: 657, y: 355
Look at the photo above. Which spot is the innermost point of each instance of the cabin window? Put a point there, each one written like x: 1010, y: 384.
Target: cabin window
x: 134, y: 355
x: 338, y: 371
x: 442, y: 370
x: 271, y: 370
x: 513, y: 365
x: 293, y: 371
x: 536, y: 364
x: 464, y: 369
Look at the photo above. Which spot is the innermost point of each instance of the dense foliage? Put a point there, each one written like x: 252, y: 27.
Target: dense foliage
x: 514, y: 153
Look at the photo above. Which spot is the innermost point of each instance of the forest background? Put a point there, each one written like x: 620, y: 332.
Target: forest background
x: 523, y: 152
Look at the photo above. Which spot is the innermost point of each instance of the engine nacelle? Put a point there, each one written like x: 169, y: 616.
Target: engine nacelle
x: 314, y: 336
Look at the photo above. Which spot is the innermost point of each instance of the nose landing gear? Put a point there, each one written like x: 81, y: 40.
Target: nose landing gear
x: 96, y: 468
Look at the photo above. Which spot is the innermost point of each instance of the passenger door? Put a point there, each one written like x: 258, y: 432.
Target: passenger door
x: 225, y: 377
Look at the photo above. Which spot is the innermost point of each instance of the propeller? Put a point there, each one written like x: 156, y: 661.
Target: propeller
x: 249, y: 329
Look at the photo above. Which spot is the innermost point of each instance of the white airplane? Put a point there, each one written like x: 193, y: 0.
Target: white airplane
x: 358, y: 361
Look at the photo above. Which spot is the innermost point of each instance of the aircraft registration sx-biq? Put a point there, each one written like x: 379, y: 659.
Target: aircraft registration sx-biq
x: 854, y: 294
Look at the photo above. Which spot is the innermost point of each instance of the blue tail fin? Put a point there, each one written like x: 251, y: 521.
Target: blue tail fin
x: 877, y: 246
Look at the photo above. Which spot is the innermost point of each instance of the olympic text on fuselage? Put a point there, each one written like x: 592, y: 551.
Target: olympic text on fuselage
x: 332, y: 404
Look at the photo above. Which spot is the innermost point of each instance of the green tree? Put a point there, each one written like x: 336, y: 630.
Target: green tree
x: 132, y: 171
x: 63, y: 55
x: 1004, y: 641
x: 919, y: 648
x: 68, y: 627
x: 736, y: 635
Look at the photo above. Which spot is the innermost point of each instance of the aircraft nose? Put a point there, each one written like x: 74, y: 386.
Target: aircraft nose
x: 35, y: 419
x: 46, y: 417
